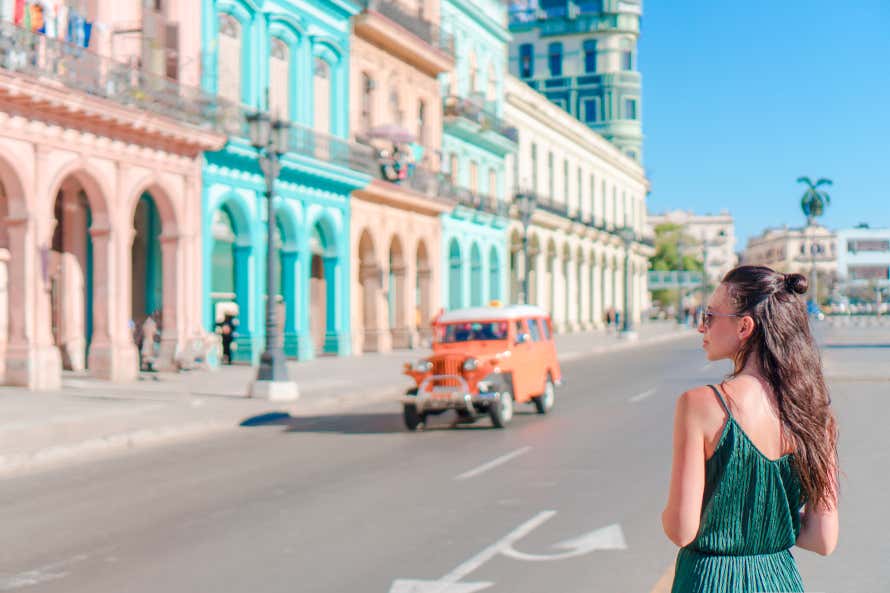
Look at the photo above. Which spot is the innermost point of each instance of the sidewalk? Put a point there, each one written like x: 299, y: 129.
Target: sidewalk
x: 89, y: 417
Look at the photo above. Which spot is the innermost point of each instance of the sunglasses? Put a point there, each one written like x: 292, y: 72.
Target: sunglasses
x: 708, y: 317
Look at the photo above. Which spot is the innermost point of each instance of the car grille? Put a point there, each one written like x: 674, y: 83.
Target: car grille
x: 447, y: 366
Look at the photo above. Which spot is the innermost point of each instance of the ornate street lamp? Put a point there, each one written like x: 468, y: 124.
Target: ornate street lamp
x: 628, y: 235
x: 269, y: 136
x: 526, y: 202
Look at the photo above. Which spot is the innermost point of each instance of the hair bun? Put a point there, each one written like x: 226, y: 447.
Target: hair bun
x: 796, y: 283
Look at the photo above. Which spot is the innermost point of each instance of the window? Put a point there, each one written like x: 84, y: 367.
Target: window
x: 534, y: 167
x: 229, y: 58
x: 590, y: 56
x: 545, y: 328
x: 526, y: 60
x: 534, y: 330
x: 367, y: 105
x: 492, y: 84
x: 554, y: 55
x: 474, y: 177
x: 632, y: 154
x: 492, y: 182
x: 322, y: 100
x: 627, y: 60
x: 279, y: 79
x: 630, y: 109
x: 591, y: 110
x: 452, y: 168
x: 472, y: 72
x: 550, y: 176
x: 395, y: 110
x: 421, y: 122
x: 565, y: 181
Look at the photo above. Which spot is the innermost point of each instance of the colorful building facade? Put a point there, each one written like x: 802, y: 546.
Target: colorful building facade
x: 398, y: 54
x: 291, y: 58
x: 583, y: 57
x: 100, y: 175
x: 475, y: 144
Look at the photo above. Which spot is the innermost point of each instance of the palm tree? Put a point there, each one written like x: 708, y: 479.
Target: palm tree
x: 813, y: 204
x: 814, y: 201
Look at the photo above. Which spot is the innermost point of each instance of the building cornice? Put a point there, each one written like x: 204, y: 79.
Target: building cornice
x: 489, y: 24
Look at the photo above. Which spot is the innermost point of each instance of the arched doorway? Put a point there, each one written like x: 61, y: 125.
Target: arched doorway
x: 455, y: 276
x: 494, y: 274
x: 370, y: 288
x: 230, y: 260
x: 475, y: 276
x: 4, y: 281
x: 146, y: 295
x: 396, y: 285
x: 423, y: 294
x: 323, y: 289
x: 70, y: 274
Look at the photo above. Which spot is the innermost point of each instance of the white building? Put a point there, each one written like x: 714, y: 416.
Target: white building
x: 797, y: 250
x: 586, y: 189
x: 713, y: 238
x: 863, y: 256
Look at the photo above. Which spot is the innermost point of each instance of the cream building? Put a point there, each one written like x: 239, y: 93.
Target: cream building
x: 798, y: 250
x: 586, y: 189
x: 713, y: 238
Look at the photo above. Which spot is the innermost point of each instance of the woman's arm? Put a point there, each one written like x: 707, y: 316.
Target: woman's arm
x: 682, y: 514
x: 819, y: 526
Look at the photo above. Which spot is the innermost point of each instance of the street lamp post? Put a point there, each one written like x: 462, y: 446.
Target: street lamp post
x: 628, y: 235
x: 269, y: 137
x: 527, y: 202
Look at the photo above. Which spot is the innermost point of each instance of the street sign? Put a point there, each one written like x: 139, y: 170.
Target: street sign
x: 663, y: 279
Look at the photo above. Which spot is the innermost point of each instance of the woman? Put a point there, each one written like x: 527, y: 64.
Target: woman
x: 755, y: 458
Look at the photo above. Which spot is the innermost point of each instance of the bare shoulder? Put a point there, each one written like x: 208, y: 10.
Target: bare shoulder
x: 700, y: 404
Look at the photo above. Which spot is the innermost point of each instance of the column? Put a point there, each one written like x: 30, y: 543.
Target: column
x: 244, y: 350
x: 72, y: 332
x: 171, y: 329
x: 334, y: 334
x: 289, y: 293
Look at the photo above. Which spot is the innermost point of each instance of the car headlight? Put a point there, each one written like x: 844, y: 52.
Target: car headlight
x: 471, y: 364
x: 423, y: 366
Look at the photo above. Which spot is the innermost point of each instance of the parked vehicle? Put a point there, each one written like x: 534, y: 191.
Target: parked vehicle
x: 485, y: 360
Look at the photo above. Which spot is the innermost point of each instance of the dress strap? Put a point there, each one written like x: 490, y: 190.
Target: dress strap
x: 722, y: 401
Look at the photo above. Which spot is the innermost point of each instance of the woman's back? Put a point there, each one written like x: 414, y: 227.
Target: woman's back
x: 749, y: 518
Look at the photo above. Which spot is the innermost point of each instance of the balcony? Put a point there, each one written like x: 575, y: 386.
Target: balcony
x: 427, y: 46
x: 324, y: 147
x: 470, y: 119
x: 40, y: 73
x: 470, y: 199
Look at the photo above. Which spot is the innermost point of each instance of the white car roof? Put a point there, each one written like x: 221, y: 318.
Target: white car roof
x: 492, y: 313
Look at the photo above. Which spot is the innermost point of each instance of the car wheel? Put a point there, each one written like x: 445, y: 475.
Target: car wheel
x: 544, y: 402
x: 501, y: 411
x: 413, y: 420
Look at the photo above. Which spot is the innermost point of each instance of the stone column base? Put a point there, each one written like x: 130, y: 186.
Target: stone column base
x: 401, y: 337
x: 38, y: 368
x: 166, y: 361
x: 117, y: 363
x: 337, y: 343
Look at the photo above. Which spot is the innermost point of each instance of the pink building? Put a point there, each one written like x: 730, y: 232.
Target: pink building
x: 100, y: 189
x: 398, y: 51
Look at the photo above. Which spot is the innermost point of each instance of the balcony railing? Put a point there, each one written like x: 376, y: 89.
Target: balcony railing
x: 473, y: 111
x: 411, y: 19
x: 54, y: 62
x: 467, y: 197
x: 324, y: 147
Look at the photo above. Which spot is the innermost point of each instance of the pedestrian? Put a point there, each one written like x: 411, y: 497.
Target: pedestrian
x: 755, y: 468
x: 227, y: 337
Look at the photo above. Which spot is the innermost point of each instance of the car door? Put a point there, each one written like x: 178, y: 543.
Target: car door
x: 520, y: 358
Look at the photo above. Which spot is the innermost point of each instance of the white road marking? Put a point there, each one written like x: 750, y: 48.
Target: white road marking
x: 492, y: 464
x: 641, y: 396
x: 43, y: 574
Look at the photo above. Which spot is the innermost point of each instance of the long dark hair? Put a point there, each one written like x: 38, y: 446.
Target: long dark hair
x: 790, y: 362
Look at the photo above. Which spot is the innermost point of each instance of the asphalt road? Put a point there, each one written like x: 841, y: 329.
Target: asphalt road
x: 352, y: 503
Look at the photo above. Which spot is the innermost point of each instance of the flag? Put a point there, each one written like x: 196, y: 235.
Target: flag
x: 62, y: 21
x: 19, y: 13
x: 36, y: 12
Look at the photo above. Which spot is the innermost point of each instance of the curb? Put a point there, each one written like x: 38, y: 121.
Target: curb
x: 53, y: 456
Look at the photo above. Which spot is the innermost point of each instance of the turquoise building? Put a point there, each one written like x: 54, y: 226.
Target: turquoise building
x: 291, y: 57
x: 474, y: 145
x: 582, y: 55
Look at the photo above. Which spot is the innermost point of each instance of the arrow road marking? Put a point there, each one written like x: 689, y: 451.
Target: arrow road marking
x: 642, y: 396
x: 493, y: 464
x: 607, y: 538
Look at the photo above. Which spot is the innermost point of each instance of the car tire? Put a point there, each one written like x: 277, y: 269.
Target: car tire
x: 501, y: 410
x: 544, y: 402
x: 413, y: 419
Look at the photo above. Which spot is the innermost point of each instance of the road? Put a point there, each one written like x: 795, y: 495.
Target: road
x: 354, y: 504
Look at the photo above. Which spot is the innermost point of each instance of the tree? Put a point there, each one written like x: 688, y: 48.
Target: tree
x: 814, y: 201
x: 670, y: 241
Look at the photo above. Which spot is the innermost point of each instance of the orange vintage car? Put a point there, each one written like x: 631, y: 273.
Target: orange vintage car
x: 485, y: 360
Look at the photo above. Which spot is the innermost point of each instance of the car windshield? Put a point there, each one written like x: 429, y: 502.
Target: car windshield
x: 469, y: 331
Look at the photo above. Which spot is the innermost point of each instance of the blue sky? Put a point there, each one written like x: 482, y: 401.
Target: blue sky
x: 741, y: 98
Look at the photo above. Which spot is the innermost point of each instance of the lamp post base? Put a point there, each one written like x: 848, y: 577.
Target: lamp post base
x: 276, y: 391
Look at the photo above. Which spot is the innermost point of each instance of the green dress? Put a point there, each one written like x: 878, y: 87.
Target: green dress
x: 749, y: 521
